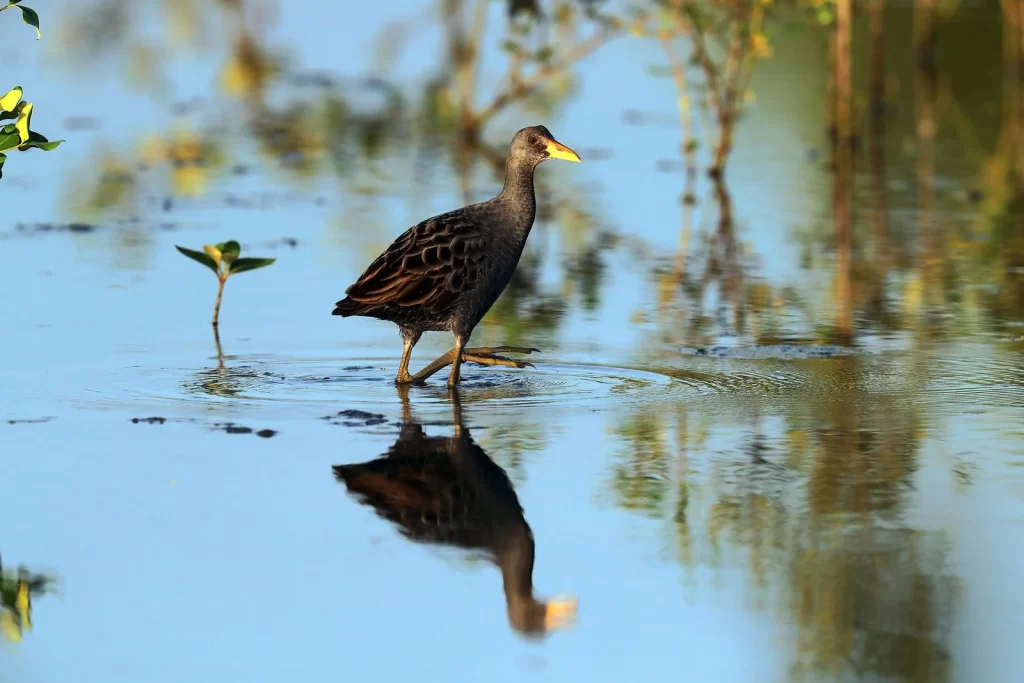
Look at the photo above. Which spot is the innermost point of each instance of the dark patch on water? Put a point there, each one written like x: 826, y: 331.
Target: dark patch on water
x: 355, y: 418
x: 28, y: 229
x: 77, y: 123
x: 31, y: 420
x: 157, y: 420
x: 234, y: 428
x: 783, y: 351
x: 289, y: 242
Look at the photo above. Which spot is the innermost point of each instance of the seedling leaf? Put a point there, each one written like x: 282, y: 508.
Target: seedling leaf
x: 244, y: 264
x: 199, y: 257
x: 213, y: 252
x: 230, y: 251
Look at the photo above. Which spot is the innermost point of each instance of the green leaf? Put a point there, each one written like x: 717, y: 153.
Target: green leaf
x: 10, y: 100
x: 15, y: 113
x: 230, y: 250
x: 32, y: 19
x: 14, y: 2
x: 23, y: 121
x: 3, y: 158
x: 244, y: 264
x: 198, y: 257
x: 213, y: 252
x: 8, y: 129
x: 47, y: 146
x: 40, y: 142
x: 9, y: 141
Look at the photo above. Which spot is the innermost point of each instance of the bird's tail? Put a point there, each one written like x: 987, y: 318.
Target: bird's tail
x: 347, y: 307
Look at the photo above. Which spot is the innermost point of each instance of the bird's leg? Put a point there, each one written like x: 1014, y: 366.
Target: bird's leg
x: 409, y: 339
x: 455, y: 375
x: 432, y: 369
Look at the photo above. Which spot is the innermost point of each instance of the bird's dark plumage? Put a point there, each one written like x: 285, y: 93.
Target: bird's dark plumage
x: 423, y: 273
x: 446, y: 272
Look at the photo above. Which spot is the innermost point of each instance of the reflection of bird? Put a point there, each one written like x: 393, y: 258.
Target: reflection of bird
x: 446, y: 272
x: 446, y: 490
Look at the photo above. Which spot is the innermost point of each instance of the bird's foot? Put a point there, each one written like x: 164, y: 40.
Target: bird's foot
x: 484, y: 355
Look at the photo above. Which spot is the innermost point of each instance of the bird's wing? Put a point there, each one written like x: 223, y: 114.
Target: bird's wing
x: 421, y: 493
x: 428, y: 265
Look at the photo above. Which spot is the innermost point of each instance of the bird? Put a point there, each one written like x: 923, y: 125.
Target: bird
x: 446, y: 490
x: 445, y: 273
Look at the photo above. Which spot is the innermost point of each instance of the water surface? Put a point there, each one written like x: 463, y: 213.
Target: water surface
x: 730, y: 493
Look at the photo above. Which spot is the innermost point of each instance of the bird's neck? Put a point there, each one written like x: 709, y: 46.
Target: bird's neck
x: 518, y: 192
x: 515, y: 558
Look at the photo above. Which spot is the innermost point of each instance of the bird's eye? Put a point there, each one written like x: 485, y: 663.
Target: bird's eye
x: 533, y: 139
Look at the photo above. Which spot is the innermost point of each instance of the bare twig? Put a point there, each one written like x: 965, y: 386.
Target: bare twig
x: 529, y: 84
x: 688, y: 149
x: 703, y: 58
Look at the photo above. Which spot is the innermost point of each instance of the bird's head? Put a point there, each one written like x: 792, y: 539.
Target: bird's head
x: 536, y: 618
x: 536, y: 144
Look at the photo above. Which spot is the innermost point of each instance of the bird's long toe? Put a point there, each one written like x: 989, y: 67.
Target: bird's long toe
x: 490, y: 350
x: 494, y: 359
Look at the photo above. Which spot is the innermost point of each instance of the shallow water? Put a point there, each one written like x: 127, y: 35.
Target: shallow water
x: 730, y: 495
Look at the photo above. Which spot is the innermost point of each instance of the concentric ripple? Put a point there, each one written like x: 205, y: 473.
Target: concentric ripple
x: 371, y: 382
x: 305, y: 386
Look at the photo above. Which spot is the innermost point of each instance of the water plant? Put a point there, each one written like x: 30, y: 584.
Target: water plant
x: 17, y: 135
x: 17, y: 587
x: 223, y: 259
x: 28, y: 15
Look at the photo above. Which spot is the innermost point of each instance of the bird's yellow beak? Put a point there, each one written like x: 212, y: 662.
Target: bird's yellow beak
x: 559, y: 612
x: 559, y: 151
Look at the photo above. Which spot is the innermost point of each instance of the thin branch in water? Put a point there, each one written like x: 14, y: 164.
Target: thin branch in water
x: 688, y: 148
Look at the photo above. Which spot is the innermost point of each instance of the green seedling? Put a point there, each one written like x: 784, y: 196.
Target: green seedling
x: 223, y: 260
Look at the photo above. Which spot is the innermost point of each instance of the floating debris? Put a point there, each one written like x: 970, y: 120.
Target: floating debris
x: 32, y: 420
x: 355, y: 418
x: 783, y: 351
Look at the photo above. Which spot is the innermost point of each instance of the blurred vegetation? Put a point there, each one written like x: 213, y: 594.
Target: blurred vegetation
x: 17, y: 589
x: 370, y: 133
x: 813, y: 502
